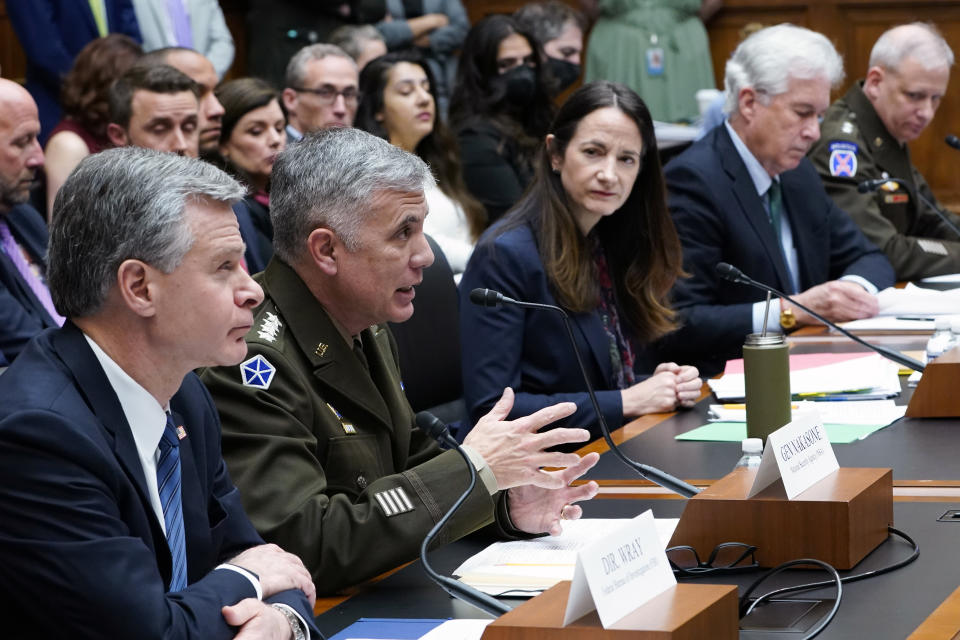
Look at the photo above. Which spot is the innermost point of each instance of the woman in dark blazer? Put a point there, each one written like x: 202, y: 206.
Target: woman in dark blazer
x: 592, y: 235
x: 252, y: 134
x: 499, y: 110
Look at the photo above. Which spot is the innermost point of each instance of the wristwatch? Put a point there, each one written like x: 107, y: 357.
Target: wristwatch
x: 788, y: 321
x: 293, y: 620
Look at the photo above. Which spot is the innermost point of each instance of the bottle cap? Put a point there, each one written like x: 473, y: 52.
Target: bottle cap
x: 752, y: 445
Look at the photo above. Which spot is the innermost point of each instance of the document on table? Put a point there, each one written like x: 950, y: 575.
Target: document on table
x: 917, y: 301
x: 854, y: 375
x: 458, y: 630
x: 948, y: 278
x: 865, y: 412
x: 527, y: 567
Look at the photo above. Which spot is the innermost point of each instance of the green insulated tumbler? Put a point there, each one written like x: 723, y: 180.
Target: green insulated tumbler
x: 766, y: 369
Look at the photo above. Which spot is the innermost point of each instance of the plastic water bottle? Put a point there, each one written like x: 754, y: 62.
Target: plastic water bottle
x: 954, y: 336
x: 940, y: 340
x: 752, y: 449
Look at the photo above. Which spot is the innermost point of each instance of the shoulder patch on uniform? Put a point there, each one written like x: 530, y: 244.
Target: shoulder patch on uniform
x: 394, y: 501
x: 843, y: 159
x: 257, y: 372
x: 932, y: 246
x: 269, y: 327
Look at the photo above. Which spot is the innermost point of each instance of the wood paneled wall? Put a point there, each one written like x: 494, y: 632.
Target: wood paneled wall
x: 853, y: 25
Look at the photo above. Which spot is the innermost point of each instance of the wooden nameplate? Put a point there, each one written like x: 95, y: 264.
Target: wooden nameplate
x: 682, y: 612
x: 839, y: 520
x: 936, y: 394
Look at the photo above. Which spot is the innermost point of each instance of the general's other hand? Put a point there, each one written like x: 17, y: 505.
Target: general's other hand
x: 515, y: 451
x: 537, y: 510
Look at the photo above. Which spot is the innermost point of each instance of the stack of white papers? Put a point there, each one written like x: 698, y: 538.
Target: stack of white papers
x: 863, y: 412
x: 854, y: 375
x: 912, y: 308
x: 526, y: 567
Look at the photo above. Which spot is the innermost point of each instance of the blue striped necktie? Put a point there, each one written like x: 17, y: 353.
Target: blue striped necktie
x: 168, y: 482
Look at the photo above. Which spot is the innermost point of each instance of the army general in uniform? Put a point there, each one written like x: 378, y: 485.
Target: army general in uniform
x: 864, y: 136
x: 317, y: 432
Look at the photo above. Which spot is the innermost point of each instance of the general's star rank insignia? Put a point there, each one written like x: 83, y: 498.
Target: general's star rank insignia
x: 257, y: 372
x: 269, y: 327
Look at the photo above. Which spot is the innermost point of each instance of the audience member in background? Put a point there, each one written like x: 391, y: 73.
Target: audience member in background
x: 558, y: 28
x: 658, y: 48
x: 254, y: 132
x: 192, y: 24
x: 86, y: 107
x: 320, y: 90
x: 277, y: 29
x: 745, y: 194
x: 399, y: 105
x: 317, y: 431
x: 114, y: 497
x: 500, y: 111
x: 155, y: 106
x: 592, y: 235
x: 362, y: 42
x: 52, y: 33
x: 865, y: 137
x: 437, y: 29
x: 26, y: 308
x: 201, y: 71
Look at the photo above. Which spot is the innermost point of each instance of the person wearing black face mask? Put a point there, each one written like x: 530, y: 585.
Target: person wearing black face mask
x: 500, y: 111
x: 559, y: 28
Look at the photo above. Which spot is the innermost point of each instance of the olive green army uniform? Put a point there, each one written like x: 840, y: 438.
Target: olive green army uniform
x: 855, y: 146
x: 323, y: 446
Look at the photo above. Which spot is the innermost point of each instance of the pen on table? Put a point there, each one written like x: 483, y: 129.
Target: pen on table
x: 914, y: 318
x: 743, y: 406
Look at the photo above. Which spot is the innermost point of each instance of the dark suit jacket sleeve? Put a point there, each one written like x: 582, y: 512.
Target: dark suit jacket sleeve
x: 35, y: 26
x: 64, y: 543
x: 487, y: 173
x: 493, y: 339
x: 696, y: 203
x: 19, y: 320
x: 124, y: 19
x: 17, y: 324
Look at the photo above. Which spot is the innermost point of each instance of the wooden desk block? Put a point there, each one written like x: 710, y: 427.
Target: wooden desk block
x: 683, y: 612
x: 839, y: 520
x: 936, y: 394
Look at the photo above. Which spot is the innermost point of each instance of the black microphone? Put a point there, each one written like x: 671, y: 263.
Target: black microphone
x: 953, y: 141
x: 433, y: 427
x: 731, y: 273
x: 872, y: 185
x: 490, y: 298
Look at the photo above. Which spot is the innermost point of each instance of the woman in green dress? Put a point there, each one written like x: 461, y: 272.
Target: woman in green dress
x: 658, y: 48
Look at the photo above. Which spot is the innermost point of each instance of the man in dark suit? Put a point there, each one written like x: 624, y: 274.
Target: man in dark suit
x: 316, y: 428
x: 116, y: 505
x: 25, y: 305
x: 745, y: 194
x: 52, y: 32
